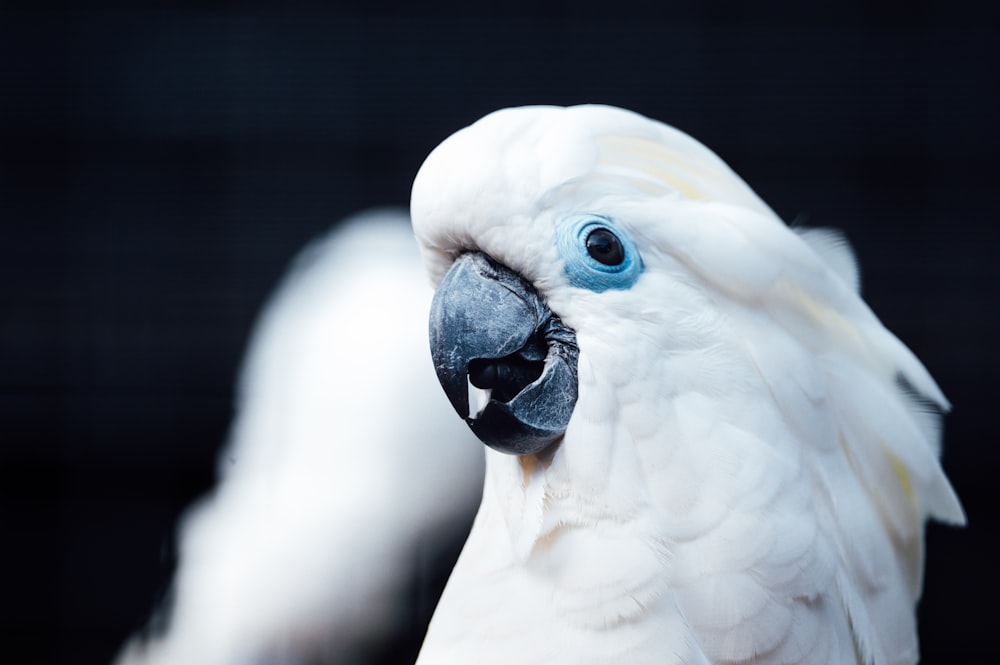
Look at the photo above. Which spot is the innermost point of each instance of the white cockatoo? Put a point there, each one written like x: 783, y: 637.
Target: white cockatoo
x: 703, y: 446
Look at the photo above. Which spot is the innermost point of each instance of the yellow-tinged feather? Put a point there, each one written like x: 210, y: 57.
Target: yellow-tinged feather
x: 822, y: 315
x: 903, y: 475
x: 649, y: 162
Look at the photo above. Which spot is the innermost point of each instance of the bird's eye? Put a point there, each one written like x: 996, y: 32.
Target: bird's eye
x: 598, y: 255
x: 604, y: 246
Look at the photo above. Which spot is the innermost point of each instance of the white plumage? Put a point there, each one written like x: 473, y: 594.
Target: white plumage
x: 744, y: 478
x: 344, y: 454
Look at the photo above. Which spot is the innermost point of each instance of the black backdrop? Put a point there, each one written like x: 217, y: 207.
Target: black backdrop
x: 161, y: 165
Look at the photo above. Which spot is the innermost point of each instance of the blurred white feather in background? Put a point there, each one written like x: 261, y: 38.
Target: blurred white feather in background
x: 344, y: 452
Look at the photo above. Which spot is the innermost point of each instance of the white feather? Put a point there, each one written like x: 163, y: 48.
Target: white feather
x: 831, y: 245
x: 343, y: 455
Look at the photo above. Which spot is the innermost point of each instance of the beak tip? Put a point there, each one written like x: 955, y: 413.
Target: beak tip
x: 454, y: 381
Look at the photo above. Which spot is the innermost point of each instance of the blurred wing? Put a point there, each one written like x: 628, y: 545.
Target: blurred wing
x: 343, y: 455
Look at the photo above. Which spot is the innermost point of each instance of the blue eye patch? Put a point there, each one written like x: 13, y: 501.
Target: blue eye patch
x: 597, y: 254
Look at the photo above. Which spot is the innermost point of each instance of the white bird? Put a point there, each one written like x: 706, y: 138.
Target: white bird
x: 704, y: 446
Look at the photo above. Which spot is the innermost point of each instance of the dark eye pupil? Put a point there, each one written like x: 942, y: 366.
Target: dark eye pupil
x: 604, y: 246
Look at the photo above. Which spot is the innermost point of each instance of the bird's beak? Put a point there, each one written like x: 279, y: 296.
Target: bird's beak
x: 489, y: 327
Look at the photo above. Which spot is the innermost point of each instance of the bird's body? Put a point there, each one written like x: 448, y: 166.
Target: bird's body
x: 744, y: 478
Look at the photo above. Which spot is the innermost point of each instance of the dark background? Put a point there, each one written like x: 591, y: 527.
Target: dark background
x: 160, y: 166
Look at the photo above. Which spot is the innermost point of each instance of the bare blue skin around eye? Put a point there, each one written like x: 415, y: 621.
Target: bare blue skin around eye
x: 587, y: 272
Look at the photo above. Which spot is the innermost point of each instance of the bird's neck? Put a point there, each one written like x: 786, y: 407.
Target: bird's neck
x: 538, y: 497
x: 581, y: 578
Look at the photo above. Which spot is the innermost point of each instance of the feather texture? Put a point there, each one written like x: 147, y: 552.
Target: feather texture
x: 743, y: 479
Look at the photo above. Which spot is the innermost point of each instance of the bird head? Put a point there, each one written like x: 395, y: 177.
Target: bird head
x: 561, y: 240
